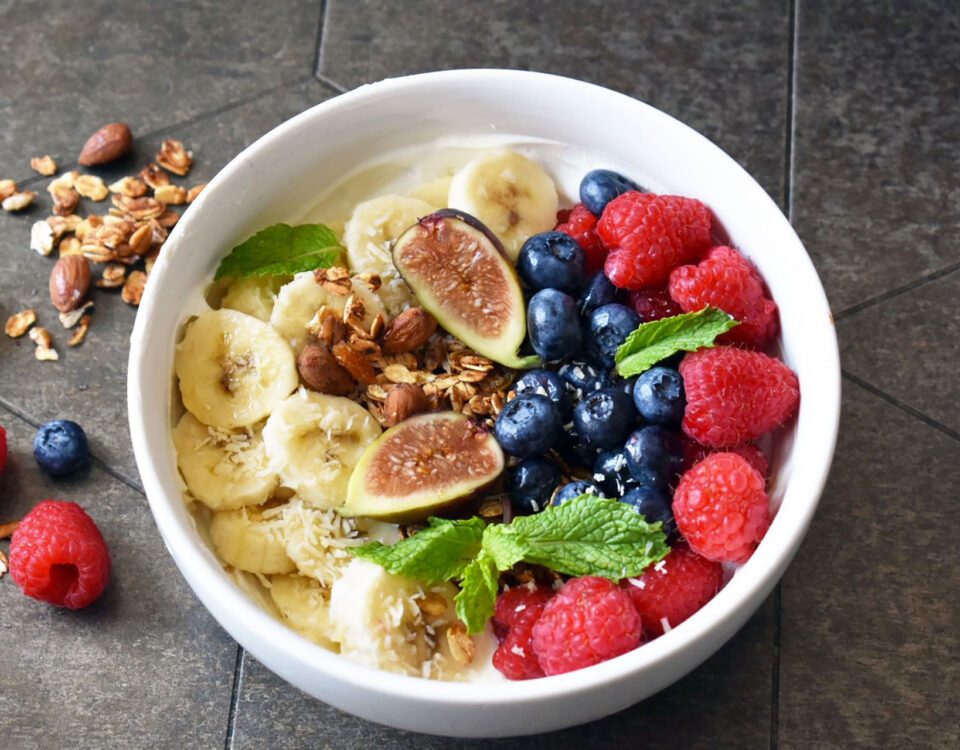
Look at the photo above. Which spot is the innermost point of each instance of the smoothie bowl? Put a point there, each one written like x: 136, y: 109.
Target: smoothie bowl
x: 434, y: 416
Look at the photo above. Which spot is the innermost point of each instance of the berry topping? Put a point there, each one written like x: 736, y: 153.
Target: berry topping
x: 583, y: 379
x: 654, y: 505
x: 654, y: 303
x: 673, y: 589
x: 600, y: 186
x: 658, y: 396
x: 734, y: 395
x: 609, y: 327
x: 611, y: 472
x: 573, y: 490
x: 576, y: 451
x: 517, y: 610
x: 552, y: 260
x: 553, y: 324
x: 597, y: 293
x: 604, y: 417
x: 721, y: 507
x: 528, y: 425
x: 57, y: 555
x: 694, y: 453
x: 651, y: 234
x: 546, y: 383
x: 588, y: 621
x: 725, y: 279
x: 580, y: 224
x: 654, y: 455
x: 531, y: 483
x: 61, y: 447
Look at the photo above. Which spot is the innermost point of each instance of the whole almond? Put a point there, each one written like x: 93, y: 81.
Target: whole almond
x: 69, y: 281
x: 110, y: 142
x: 320, y: 370
x: 408, y: 331
x: 404, y: 400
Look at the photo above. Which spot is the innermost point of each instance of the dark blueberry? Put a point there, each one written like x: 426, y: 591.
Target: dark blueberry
x: 626, y: 386
x: 583, y: 379
x: 601, y: 186
x: 531, y: 484
x: 552, y: 260
x: 597, y: 293
x: 604, y: 418
x: 612, y: 473
x: 546, y: 383
x: 654, y: 505
x: 654, y: 455
x: 609, y: 327
x: 574, y: 450
x: 553, y: 324
x: 573, y: 490
x: 61, y: 447
x: 658, y: 396
x: 528, y: 425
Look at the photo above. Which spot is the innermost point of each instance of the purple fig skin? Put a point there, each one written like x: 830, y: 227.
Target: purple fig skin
x: 471, y: 221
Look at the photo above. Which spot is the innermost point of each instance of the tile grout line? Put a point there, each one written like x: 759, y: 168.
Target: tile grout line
x: 321, y: 25
x: 897, y: 291
x: 234, y: 698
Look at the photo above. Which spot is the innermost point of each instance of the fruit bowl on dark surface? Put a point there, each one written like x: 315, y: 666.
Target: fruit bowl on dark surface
x: 316, y: 149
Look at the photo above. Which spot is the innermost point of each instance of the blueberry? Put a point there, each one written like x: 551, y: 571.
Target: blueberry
x: 601, y: 186
x: 658, y: 396
x: 612, y: 473
x: 553, y: 324
x: 552, y: 260
x: 583, y: 379
x: 609, y: 327
x: 61, y: 447
x: 574, y: 450
x: 654, y: 505
x: 604, y: 418
x: 654, y: 456
x: 549, y: 384
x: 573, y: 490
x: 597, y: 293
x: 531, y: 484
x: 528, y: 425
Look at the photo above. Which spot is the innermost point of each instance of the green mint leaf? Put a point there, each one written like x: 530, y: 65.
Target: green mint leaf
x: 282, y: 249
x: 658, y: 339
x: 477, y: 597
x: 504, y: 546
x: 439, y: 552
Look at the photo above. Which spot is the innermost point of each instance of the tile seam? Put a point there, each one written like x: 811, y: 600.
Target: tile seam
x: 234, y: 699
x: 897, y: 291
x: 321, y: 27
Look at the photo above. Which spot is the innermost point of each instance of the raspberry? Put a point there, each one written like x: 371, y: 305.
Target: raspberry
x: 673, y: 589
x: 588, y: 621
x: 3, y: 448
x: 57, y: 555
x: 735, y: 395
x: 580, y: 224
x: 653, y: 303
x: 721, y: 508
x: 727, y: 280
x: 693, y: 453
x: 650, y: 235
x: 517, y: 610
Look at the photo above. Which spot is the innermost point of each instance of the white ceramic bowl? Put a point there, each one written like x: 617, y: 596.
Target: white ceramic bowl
x: 315, y: 149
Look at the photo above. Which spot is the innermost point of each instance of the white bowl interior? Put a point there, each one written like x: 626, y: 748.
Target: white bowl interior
x: 314, y: 150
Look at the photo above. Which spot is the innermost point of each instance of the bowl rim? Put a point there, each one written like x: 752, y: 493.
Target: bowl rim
x: 249, y: 623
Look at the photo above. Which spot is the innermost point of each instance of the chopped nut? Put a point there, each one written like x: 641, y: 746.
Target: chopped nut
x: 7, y: 188
x: 376, y: 327
x: 44, y: 350
x: 78, y: 335
x: 18, y: 324
x: 491, y: 508
x: 69, y: 281
x: 7, y: 529
x: 92, y: 187
x: 335, y: 280
x: 193, y: 192
x: 97, y: 253
x: 130, y: 187
x: 372, y: 280
x: 139, y: 208
x: 18, y: 201
x: 113, y: 275
x: 320, y: 371
x: 133, y: 288
x: 41, y: 237
x: 404, y: 401
x: 327, y: 326
x: 397, y: 373
x: 376, y: 392
x: 174, y: 157
x: 66, y: 180
x: 87, y: 226
x: 45, y: 165
x: 432, y: 604
x: 168, y: 219
x: 70, y: 319
x: 353, y: 314
x: 172, y: 195
x: 462, y: 647
x: 141, y: 240
x: 154, y: 176
x: 70, y: 246
x: 409, y: 330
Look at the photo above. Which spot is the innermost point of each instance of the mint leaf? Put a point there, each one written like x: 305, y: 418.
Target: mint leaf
x: 282, y: 249
x: 477, y: 597
x: 658, y: 339
x: 439, y: 552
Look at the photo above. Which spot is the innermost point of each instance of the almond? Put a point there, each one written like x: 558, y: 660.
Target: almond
x: 404, y: 400
x: 69, y: 281
x: 320, y: 370
x: 408, y: 331
x: 110, y: 142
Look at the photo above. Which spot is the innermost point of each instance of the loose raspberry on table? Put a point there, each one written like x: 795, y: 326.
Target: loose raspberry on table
x: 57, y: 555
x: 735, y: 395
x: 721, y: 508
x: 649, y: 235
x: 517, y: 610
x: 725, y: 279
x: 580, y: 224
x: 654, y: 303
x: 671, y: 590
x: 693, y: 453
x: 588, y: 621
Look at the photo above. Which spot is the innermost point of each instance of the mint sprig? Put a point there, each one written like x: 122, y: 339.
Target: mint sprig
x: 654, y: 341
x: 282, y: 249
x: 586, y: 536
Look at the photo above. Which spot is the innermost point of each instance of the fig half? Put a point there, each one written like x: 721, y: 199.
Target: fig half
x: 422, y: 465
x: 457, y: 268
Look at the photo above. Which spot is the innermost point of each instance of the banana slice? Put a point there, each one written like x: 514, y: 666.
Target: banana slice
x: 314, y: 440
x: 434, y: 192
x: 509, y: 193
x: 369, y: 236
x: 319, y: 541
x: 251, y: 539
x: 223, y: 469
x: 255, y: 295
x: 233, y: 369
x: 298, y: 300
x: 304, y: 606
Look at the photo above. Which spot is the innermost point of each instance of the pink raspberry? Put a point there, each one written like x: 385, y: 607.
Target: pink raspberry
x: 580, y: 224
x: 725, y: 279
x: 654, y: 303
x: 673, y: 589
x: 721, y: 508
x: 588, y: 621
x: 517, y: 610
x: 735, y: 395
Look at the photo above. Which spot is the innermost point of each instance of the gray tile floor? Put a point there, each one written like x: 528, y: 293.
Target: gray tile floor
x: 846, y: 113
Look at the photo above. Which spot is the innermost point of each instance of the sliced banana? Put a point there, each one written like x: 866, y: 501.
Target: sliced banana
x: 299, y: 300
x: 434, y: 192
x: 369, y: 236
x: 251, y: 539
x: 509, y: 193
x: 255, y: 295
x: 318, y: 540
x: 223, y: 469
x: 304, y: 606
x: 233, y: 369
x: 314, y: 440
